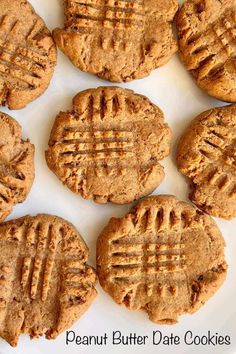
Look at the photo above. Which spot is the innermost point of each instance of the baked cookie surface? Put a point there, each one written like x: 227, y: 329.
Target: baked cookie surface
x: 164, y: 257
x: 27, y: 55
x: 108, y: 146
x: 46, y: 284
x: 207, y: 155
x: 118, y: 40
x: 207, y: 45
x: 16, y: 165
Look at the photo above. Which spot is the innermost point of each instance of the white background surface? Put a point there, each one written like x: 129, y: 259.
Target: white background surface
x: 172, y: 89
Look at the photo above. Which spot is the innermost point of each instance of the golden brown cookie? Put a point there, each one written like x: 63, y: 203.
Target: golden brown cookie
x: 108, y: 146
x: 16, y: 165
x: 207, y: 44
x: 207, y: 155
x: 118, y: 40
x: 27, y: 54
x: 164, y: 257
x: 46, y: 284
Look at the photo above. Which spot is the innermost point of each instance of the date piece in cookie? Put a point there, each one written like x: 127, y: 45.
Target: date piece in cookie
x: 164, y: 257
x: 207, y: 45
x: 46, y: 284
x: 16, y: 165
x: 108, y: 147
x: 118, y: 40
x: 207, y: 155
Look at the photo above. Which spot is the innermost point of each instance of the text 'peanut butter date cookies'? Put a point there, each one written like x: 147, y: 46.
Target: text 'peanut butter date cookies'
x: 27, y: 54
x: 207, y: 155
x: 108, y: 146
x: 46, y: 284
x: 164, y: 257
x: 207, y: 44
x: 118, y: 40
x: 16, y: 165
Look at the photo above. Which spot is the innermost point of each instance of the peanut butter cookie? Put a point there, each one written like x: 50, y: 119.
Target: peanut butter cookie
x: 118, y: 40
x: 164, y: 257
x: 207, y: 155
x: 108, y: 146
x: 207, y: 44
x: 16, y: 165
x: 27, y: 54
x: 46, y: 284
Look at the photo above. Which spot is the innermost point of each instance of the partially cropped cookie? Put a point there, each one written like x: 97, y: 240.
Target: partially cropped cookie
x: 207, y: 155
x: 27, y: 55
x: 164, y: 257
x: 46, y: 284
x: 207, y: 45
x: 108, y: 146
x: 118, y: 40
x: 16, y: 165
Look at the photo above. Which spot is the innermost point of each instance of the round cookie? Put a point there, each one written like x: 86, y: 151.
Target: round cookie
x: 164, y: 257
x: 46, y: 284
x: 207, y: 155
x: 207, y: 45
x: 16, y: 165
x: 27, y: 55
x: 118, y: 40
x: 108, y: 146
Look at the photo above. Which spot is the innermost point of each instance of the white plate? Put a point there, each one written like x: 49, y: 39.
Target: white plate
x: 173, y: 90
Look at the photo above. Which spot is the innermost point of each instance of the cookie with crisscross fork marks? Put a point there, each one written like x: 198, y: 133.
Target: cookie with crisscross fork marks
x: 27, y: 54
x: 16, y: 165
x: 108, y: 146
x: 118, y: 40
x: 207, y: 43
x: 46, y: 284
x: 207, y: 155
x: 164, y: 257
